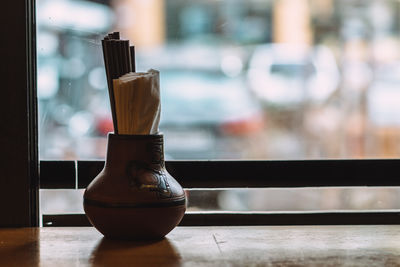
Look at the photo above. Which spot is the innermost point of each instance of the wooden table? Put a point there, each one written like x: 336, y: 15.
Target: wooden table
x: 206, y: 246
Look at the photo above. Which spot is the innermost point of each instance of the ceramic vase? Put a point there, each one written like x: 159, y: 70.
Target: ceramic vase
x: 134, y: 197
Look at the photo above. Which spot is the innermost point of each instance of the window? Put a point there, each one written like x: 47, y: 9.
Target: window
x: 322, y: 166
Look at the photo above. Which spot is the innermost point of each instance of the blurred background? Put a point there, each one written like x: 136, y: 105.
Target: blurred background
x: 256, y: 79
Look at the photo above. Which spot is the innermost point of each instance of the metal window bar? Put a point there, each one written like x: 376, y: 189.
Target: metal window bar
x: 248, y: 174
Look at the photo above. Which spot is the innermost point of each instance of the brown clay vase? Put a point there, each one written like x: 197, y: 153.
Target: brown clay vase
x: 134, y: 197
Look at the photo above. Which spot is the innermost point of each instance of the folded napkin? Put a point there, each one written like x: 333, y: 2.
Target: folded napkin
x: 137, y: 102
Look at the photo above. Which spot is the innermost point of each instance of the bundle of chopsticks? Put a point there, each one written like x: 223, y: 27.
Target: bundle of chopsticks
x: 119, y: 59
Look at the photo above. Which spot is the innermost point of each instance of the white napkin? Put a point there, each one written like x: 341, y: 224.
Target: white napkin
x: 137, y: 102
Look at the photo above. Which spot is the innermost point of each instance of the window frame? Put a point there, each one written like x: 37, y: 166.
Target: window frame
x: 19, y: 184
x: 245, y: 174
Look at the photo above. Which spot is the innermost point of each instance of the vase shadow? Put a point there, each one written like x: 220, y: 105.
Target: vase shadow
x: 110, y: 252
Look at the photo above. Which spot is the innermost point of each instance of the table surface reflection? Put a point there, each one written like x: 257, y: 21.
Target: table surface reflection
x: 374, y: 245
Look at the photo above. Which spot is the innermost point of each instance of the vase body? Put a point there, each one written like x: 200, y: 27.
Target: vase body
x: 134, y: 197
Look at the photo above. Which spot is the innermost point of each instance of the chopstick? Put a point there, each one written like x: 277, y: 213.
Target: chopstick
x: 109, y: 73
x: 124, y: 52
x: 132, y: 58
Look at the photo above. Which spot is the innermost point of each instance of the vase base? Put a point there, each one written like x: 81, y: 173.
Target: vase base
x: 134, y: 223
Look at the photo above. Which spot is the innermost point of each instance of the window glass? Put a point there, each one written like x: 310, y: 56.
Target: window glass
x: 260, y: 200
x: 259, y: 79
x: 256, y: 79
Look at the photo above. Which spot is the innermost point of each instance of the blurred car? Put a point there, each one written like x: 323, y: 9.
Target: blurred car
x: 286, y: 75
x: 207, y: 112
x: 207, y: 115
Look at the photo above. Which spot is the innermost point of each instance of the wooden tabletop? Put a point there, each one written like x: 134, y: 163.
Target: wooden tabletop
x: 206, y: 246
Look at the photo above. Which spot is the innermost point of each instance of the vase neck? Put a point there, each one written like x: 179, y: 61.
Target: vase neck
x: 139, y: 149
